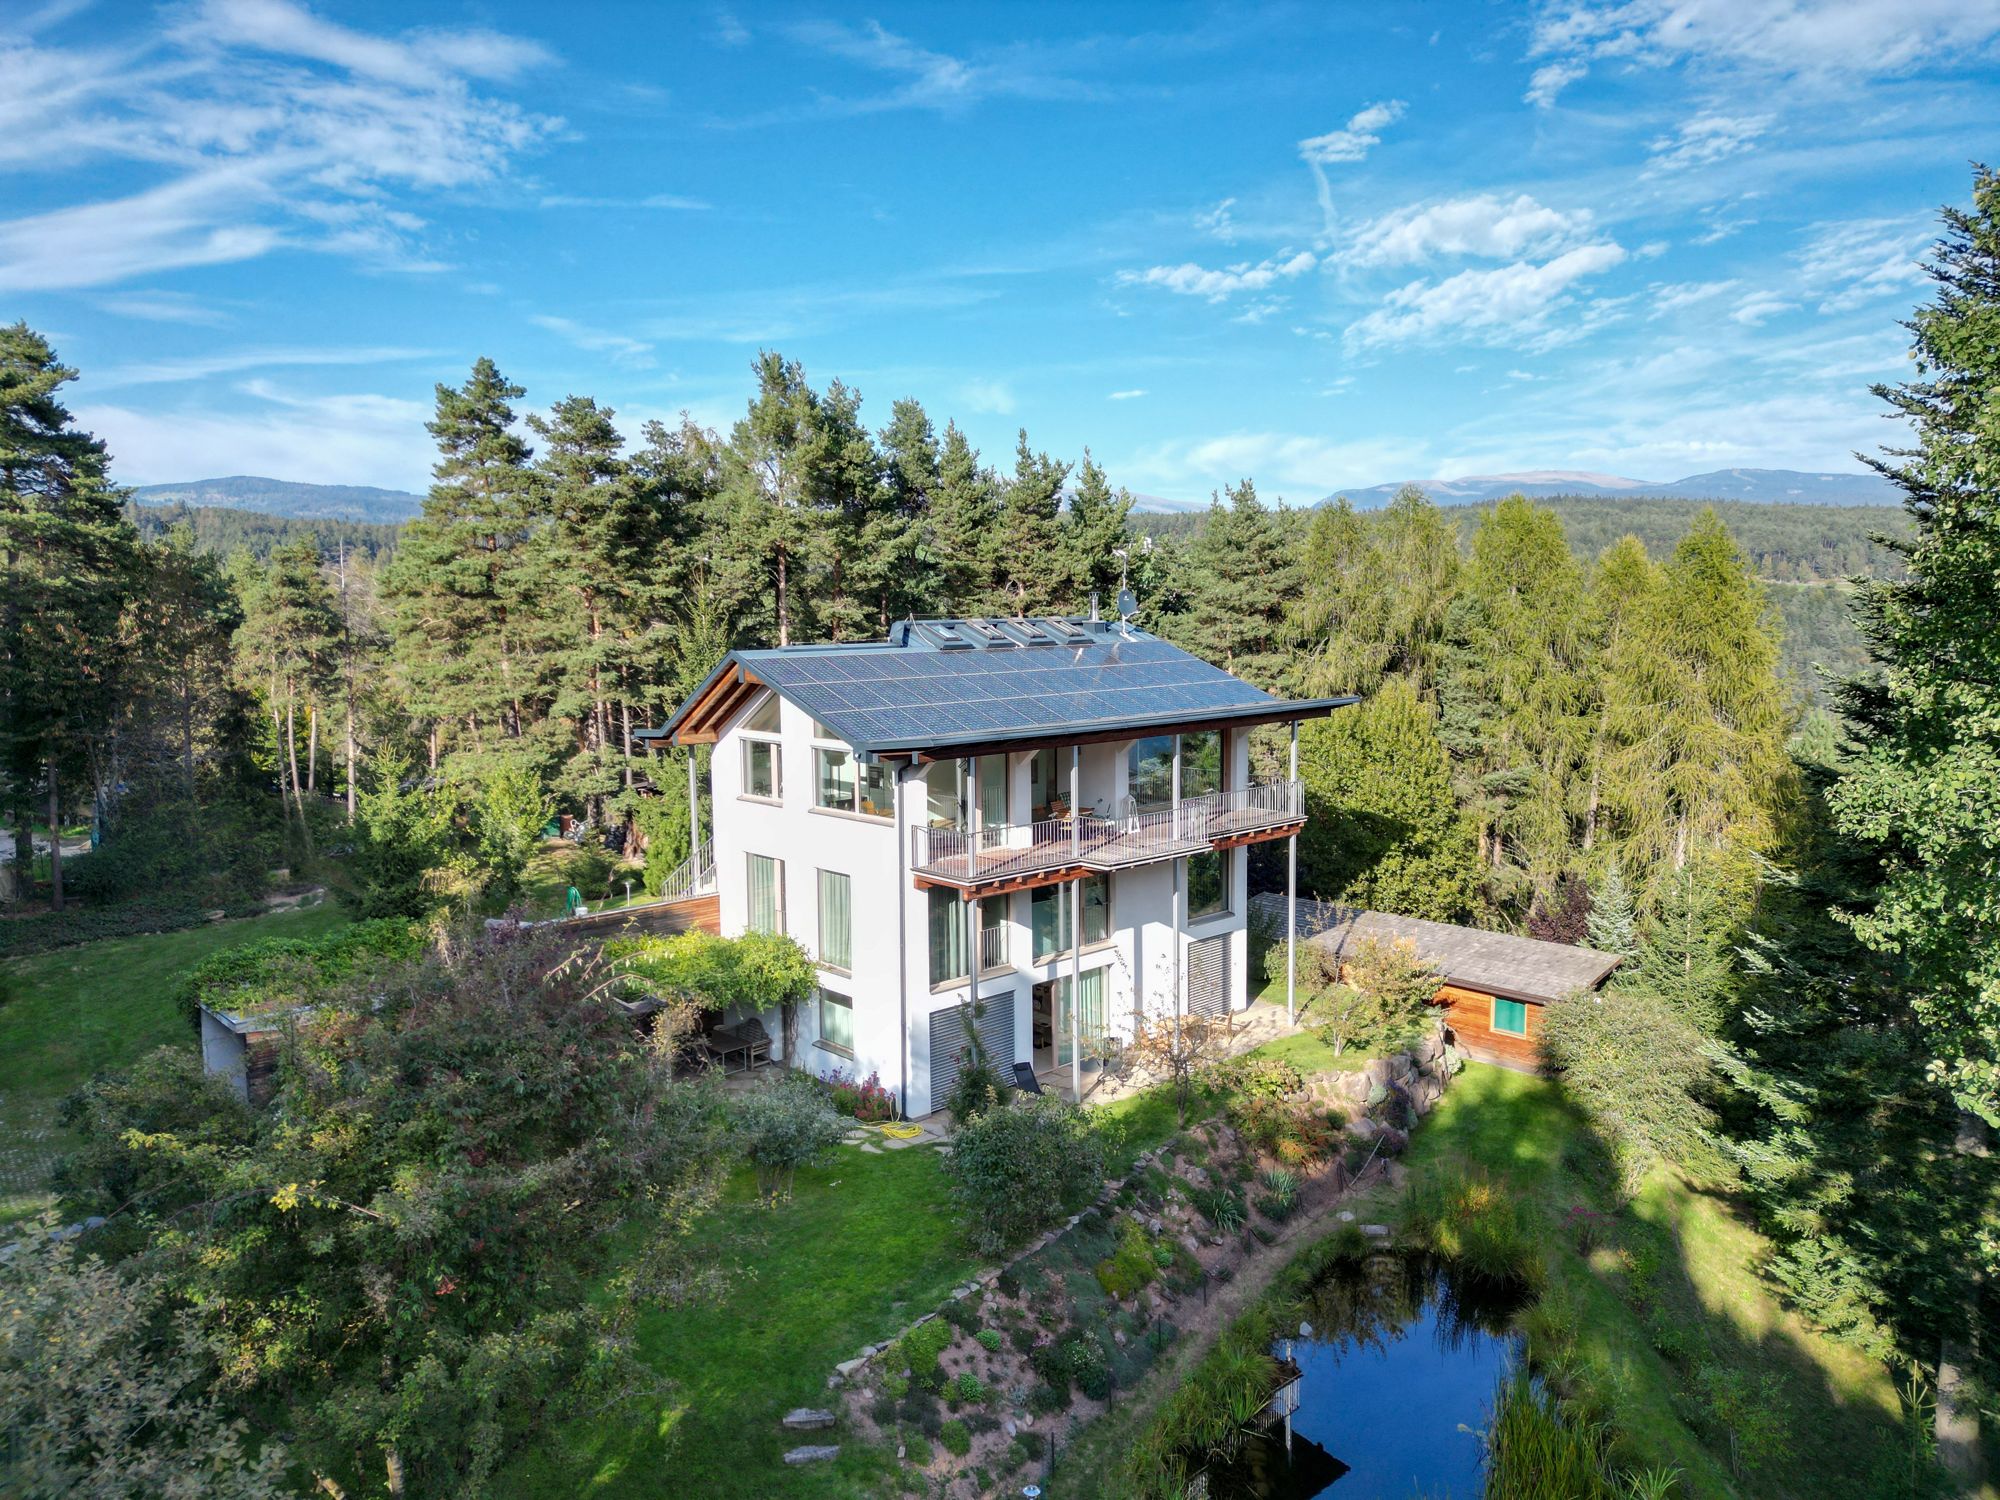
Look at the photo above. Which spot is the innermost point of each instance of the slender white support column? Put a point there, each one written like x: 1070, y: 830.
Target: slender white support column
x: 1180, y: 882
x: 1292, y: 903
x: 1076, y: 929
x: 694, y: 811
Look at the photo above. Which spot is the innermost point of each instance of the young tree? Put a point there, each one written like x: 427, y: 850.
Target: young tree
x: 1094, y: 528
x: 66, y: 569
x: 1612, y: 925
x: 402, y: 836
x: 785, y: 1125
x: 1378, y: 994
x: 287, y: 647
x: 1029, y: 540
x: 508, y: 820
x: 1178, y: 1050
x: 1686, y: 948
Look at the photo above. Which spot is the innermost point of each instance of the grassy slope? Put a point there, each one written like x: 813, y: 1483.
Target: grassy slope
x: 1839, y: 1407
x: 78, y: 1011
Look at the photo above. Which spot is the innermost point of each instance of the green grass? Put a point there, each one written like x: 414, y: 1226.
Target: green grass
x: 864, y: 1246
x: 1839, y: 1406
x: 1306, y: 1052
x: 80, y: 1011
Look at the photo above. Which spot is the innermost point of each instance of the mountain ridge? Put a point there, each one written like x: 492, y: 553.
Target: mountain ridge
x: 1769, y: 486
x: 287, y: 497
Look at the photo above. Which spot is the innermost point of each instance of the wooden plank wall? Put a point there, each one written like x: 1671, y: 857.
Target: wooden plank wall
x: 1469, y: 1014
x: 663, y: 919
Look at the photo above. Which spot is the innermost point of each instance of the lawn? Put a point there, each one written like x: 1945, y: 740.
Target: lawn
x: 864, y: 1245
x: 1838, y: 1407
x: 78, y: 1011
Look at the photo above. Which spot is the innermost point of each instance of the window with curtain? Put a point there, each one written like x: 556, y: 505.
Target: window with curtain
x: 947, y: 924
x: 992, y: 790
x: 1510, y: 1017
x: 836, y: 920
x: 836, y: 1021
x: 1089, y: 1024
x: 767, y: 894
x: 1149, y: 767
x: 760, y: 768
x: 1208, y: 884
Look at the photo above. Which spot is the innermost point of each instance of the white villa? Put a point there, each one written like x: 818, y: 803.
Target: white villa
x: 1068, y: 800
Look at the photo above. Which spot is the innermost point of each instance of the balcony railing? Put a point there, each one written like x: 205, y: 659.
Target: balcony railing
x: 1013, y: 850
x: 993, y: 948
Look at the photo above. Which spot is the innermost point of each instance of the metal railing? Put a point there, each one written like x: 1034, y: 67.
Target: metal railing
x: 1003, y: 851
x: 694, y: 877
x: 993, y: 948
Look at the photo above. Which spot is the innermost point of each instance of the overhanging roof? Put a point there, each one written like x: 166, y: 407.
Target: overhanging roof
x: 964, y: 685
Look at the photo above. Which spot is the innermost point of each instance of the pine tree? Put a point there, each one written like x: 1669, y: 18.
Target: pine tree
x: 1241, y: 573
x: 1383, y: 829
x: 287, y: 648
x: 1613, y: 923
x: 1094, y: 529
x: 1029, y: 543
x: 1622, y: 589
x: 454, y: 586
x: 912, y: 475
x: 773, y: 544
x: 965, y: 530
x: 67, y: 555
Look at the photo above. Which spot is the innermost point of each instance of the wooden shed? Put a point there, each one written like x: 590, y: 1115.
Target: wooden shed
x: 1495, y: 984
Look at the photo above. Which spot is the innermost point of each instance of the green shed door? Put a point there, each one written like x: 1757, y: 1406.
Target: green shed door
x: 1510, y: 1017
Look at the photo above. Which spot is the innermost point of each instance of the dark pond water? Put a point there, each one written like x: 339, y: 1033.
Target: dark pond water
x: 1394, y: 1384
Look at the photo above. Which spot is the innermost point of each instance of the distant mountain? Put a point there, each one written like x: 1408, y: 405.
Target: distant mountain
x: 285, y: 497
x: 1765, y: 485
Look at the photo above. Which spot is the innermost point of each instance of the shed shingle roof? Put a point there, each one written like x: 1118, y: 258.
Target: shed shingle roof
x: 1494, y: 963
x: 935, y: 684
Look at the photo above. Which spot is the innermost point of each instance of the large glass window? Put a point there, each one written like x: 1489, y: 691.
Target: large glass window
x: 1048, y: 915
x: 1149, y: 766
x: 1089, y: 1023
x: 878, y: 791
x: 767, y: 894
x: 836, y: 920
x: 836, y: 1021
x: 947, y: 923
x: 1048, y: 785
x: 1208, y: 884
x: 760, y: 769
x: 1201, y: 764
x: 992, y: 790
x: 941, y: 793
x: 833, y: 779
x: 763, y: 718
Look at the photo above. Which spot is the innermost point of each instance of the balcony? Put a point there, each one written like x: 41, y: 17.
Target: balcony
x: 1016, y: 854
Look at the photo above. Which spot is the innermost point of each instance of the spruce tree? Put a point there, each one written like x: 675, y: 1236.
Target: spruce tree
x: 1093, y: 529
x: 454, y: 588
x: 1622, y: 589
x: 1242, y: 571
x: 1612, y: 926
x: 1029, y: 542
x: 965, y: 530
x: 67, y: 556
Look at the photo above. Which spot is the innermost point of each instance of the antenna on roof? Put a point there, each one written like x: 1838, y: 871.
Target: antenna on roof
x: 1127, y: 605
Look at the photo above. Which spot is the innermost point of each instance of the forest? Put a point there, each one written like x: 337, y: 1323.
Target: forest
x: 1577, y: 721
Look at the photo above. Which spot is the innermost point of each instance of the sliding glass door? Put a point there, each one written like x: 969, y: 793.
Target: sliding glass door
x: 1090, y: 1020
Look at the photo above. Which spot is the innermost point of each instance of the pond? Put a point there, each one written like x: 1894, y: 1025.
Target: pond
x: 1395, y: 1381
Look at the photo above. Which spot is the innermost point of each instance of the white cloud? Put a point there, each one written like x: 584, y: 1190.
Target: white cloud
x: 1132, y: 395
x: 1707, y: 138
x: 1849, y: 262
x: 1829, y: 42
x: 1480, y: 224
x: 1511, y: 304
x: 928, y: 79
x: 1755, y: 309
x: 674, y: 202
x: 363, y: 439
x: 275, y: 128
x: 1673, y: 298
x: 1218, y: 284
x: 631, y: 353
x: 164, y: 307
x: 1353, y: 141
x: 993, y: 397
x: 1306, y: 465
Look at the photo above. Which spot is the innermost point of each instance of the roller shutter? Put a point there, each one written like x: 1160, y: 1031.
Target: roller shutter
x: 1208, y: 976
x: 996, y: 1031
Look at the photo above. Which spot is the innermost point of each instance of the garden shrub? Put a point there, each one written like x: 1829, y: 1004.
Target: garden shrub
x: 1221, y: 1206
x: 1296, y: 1134
x: 1252, y: 1077
x: 1032, y: 1443
x: 955, y: 1438
x: 895, y: 1383
x: 918, y: 1351
x: 1128, y: 1269
x: 989, y: 1340
x: 282, y: 973
x: 916, y: 1451
x: 960, y: 1313
x: 1019, y: 1168
x: 785, y: 1125
x: 1280, y: 1195
x: 1045, y: 1399
x: 864, y: 1099
x: 1084, y: 1358
x: 48, y: 931
x: 965, y: 1389
x: 1015, y: 1456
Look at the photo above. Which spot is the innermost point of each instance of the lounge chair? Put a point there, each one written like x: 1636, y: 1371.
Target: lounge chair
x: 1025, y: 1080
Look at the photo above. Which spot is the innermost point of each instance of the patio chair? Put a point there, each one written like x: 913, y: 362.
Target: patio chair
x: 1025, y: 1080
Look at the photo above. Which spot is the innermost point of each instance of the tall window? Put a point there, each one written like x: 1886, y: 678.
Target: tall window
x: 1089, y: 1024
x: 836, y: 1021
x: 767, y: 894
x: 992, y: 778
x: 1208, y: 884
x: 1149, y: 767
x: 763, y: 767
x: 841, y: 784
x: 1048, y: 915
x: 947, y: 923
x: 878, y: 792
x: 836, y: 920
x: 1046, y: 784
x: 1201, y: 763
x: 993, y: 933
x: 941, y: 793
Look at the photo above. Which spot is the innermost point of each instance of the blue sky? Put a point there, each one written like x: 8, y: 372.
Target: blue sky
x: 1315, y: 245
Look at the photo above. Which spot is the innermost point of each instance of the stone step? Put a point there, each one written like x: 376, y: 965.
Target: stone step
x: 813, y: 1453
x: 806, y: 1418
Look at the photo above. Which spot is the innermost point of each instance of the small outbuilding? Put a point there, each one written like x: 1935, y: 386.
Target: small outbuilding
x: 1495, y: 984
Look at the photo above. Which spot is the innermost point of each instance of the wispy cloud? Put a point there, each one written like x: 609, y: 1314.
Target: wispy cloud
x: 1352, y: 142
x: 1218, y: 221
x: 1708, y: 138
x: 1679, y: 296
x: 621, y: 349
x: 1219, y: 283
x: 672, y: 202
x: 993, y: 397
x: 923, y: 77
x: 1846, y: 263
x: 164, y: 307
x: 1509, y: 305
x: 238, y: 361
x: 1755, y: 309
x: 277, y: 128
x: 1132, y: 395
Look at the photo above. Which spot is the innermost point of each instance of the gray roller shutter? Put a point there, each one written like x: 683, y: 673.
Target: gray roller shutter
x: 996, y: 1030
x: 1208, y: 976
